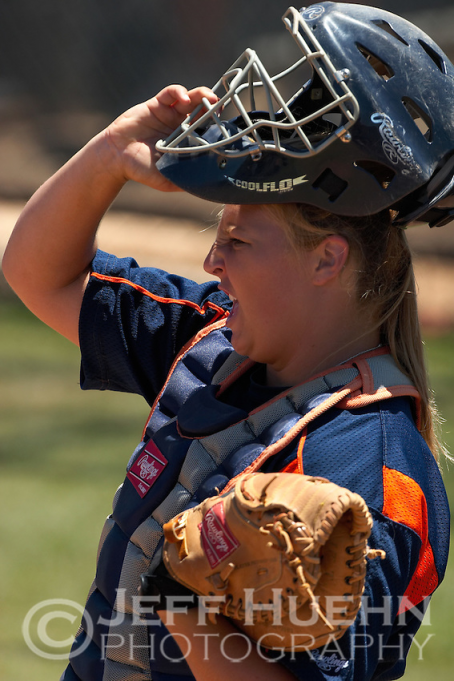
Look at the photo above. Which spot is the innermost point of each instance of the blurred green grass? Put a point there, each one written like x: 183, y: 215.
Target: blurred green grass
x: 62, y: 454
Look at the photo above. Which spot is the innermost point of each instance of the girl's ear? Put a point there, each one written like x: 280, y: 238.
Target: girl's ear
x: 330, y: 258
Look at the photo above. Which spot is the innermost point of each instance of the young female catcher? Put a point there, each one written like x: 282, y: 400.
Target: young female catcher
x: 304, y: 357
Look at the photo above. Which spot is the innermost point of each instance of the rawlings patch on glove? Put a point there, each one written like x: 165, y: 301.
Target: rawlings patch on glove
x: 284, y: 555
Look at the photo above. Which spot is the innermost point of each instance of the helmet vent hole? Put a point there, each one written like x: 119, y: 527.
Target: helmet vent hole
x: 436, y: 58
x: 379, y: 171
x: 331, y: 184
x: 386, y: 27
x: 379, y: 66
x: 421, y: 119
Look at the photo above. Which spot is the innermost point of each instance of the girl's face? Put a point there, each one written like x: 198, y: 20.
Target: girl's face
x: 268, y: 282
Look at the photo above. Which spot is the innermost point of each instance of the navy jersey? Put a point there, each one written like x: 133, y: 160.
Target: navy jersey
x: 133, y: 323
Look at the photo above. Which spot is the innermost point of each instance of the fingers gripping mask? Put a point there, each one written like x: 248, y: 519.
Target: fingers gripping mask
x: 360, y: 120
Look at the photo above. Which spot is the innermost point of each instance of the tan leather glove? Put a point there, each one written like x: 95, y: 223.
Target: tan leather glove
x: 284, y: 555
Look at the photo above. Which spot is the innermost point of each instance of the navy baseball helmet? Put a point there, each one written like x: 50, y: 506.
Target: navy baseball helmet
x: 361, y: 120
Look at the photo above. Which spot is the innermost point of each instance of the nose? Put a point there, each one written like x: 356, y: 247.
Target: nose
x: 214, y: 262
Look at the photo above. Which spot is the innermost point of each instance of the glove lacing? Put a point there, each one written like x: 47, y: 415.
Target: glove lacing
x: 292, y: 539
x: 298, y: 547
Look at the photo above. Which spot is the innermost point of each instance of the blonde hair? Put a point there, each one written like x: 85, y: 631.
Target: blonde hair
x: 385, y: 287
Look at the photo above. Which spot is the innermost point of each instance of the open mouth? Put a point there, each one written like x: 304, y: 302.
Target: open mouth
x: 234, y: 308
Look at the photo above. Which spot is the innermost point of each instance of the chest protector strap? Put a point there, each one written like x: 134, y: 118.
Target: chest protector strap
x: 377, y: 378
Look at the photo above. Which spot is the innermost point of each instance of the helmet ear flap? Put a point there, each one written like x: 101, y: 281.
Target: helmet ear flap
x: 435, y: 202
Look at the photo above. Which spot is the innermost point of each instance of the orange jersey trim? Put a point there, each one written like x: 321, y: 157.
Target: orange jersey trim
x: 404, y: 502
x: 160, y: 299
x: 296, y: 466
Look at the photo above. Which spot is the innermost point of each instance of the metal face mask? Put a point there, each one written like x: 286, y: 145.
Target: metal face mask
x: 360, y: 121
x: 283, y: 126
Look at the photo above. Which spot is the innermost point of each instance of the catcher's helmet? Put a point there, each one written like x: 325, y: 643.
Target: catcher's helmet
x: 368, y: 125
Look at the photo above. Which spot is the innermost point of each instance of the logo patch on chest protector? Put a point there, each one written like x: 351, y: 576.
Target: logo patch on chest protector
x: 146, y: 470
x: 217, y: 540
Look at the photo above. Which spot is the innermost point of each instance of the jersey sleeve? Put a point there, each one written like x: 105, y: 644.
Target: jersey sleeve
x: 134, y: 321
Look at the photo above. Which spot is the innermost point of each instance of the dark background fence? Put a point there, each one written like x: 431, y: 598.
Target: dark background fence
x: 67, y: 67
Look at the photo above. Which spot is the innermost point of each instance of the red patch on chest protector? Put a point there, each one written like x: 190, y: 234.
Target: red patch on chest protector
x: 146, y: 470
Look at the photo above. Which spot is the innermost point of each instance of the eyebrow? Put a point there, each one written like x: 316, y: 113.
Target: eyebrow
x: 231, y: 228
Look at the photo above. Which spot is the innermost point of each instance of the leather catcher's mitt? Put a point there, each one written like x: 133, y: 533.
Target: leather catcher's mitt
x: 284, y: 555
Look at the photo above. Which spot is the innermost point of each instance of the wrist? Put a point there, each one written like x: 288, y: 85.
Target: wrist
x: 105, y: 160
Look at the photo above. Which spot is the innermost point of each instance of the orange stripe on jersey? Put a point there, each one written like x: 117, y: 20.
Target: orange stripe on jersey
x: 404, y: 502
x: 296, y: 466
x: 201, y: 310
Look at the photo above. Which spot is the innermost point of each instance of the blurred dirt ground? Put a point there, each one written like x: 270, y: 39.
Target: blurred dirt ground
x: 179, y: 245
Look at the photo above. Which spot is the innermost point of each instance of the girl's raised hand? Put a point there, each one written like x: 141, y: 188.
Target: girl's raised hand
x: 132, y: 137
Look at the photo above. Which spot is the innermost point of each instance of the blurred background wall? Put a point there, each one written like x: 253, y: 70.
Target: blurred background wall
x: 67, y: 67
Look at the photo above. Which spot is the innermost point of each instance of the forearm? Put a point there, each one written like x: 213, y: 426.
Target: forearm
x: 53, y: 242
x: 220, y: 652
x: 49, y: 254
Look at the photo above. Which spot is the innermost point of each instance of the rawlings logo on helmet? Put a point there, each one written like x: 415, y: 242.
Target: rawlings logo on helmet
x: 313, y: 13
x: 393, y: 147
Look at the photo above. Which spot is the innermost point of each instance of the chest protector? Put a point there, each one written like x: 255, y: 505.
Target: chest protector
x: 193, y: 447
